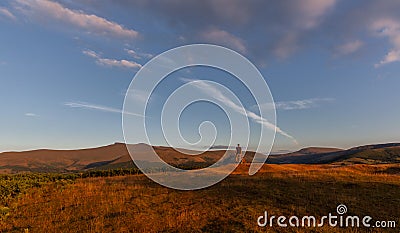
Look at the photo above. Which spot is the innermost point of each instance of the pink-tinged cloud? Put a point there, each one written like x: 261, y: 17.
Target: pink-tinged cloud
x: 306, y: 15
x: 389, y: 28
x: 311, y: 12
x: 349, y: 47
x: 286, y: 46
x: 91, y: 23
x: 5, y: 12
x: 391, y: 56
x: 224, y: 38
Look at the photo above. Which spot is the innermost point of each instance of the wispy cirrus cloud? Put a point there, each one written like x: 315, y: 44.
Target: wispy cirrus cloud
x: 54, y: 11
x: 111, y: 62
x: 5, y: 12
x: 217, y: 94
x: 302, y: 104
x: 103, y: 108
x: 296, y: 104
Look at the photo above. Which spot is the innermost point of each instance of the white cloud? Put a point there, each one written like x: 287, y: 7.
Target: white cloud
x: 294, y: 104
x: 390, y: 28
x: 217, y: 94
x: 391, y: 56
x: 98, y: 107
x: 225, y: 38
x: 7, y: 13
x: 349, y: 47
x: 29, y: 114
x: 111, y: 62
x: 53, y: 11
x: 138, y: 55
x: 301, y: 104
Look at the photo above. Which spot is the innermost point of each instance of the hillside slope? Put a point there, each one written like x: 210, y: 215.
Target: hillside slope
x: 105, y: 157
x: 116, y: 156
x: 370, y: 154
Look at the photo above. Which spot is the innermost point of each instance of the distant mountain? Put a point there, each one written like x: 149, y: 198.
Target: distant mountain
x: 369, y: 154
x: 105, y: 157
x: 61, y: 160
x: 117, y: 156
x: 312, y: 150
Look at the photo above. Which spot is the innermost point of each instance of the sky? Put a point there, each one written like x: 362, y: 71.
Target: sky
x: 332, y: 67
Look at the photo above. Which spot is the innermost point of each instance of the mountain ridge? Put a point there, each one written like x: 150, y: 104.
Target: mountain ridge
x: 116, y: 156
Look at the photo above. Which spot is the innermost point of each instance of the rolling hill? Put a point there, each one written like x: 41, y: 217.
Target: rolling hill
x: 369, y: 154
x: 105, y: 157
x: 117, y: 156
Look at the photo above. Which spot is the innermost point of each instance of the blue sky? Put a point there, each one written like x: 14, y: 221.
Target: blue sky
x: 332, y: 66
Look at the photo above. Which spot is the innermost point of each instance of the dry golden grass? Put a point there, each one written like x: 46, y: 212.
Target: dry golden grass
x: 136, y: 204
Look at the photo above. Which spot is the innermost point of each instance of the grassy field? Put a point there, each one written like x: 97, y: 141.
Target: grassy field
x: 133, y: 203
